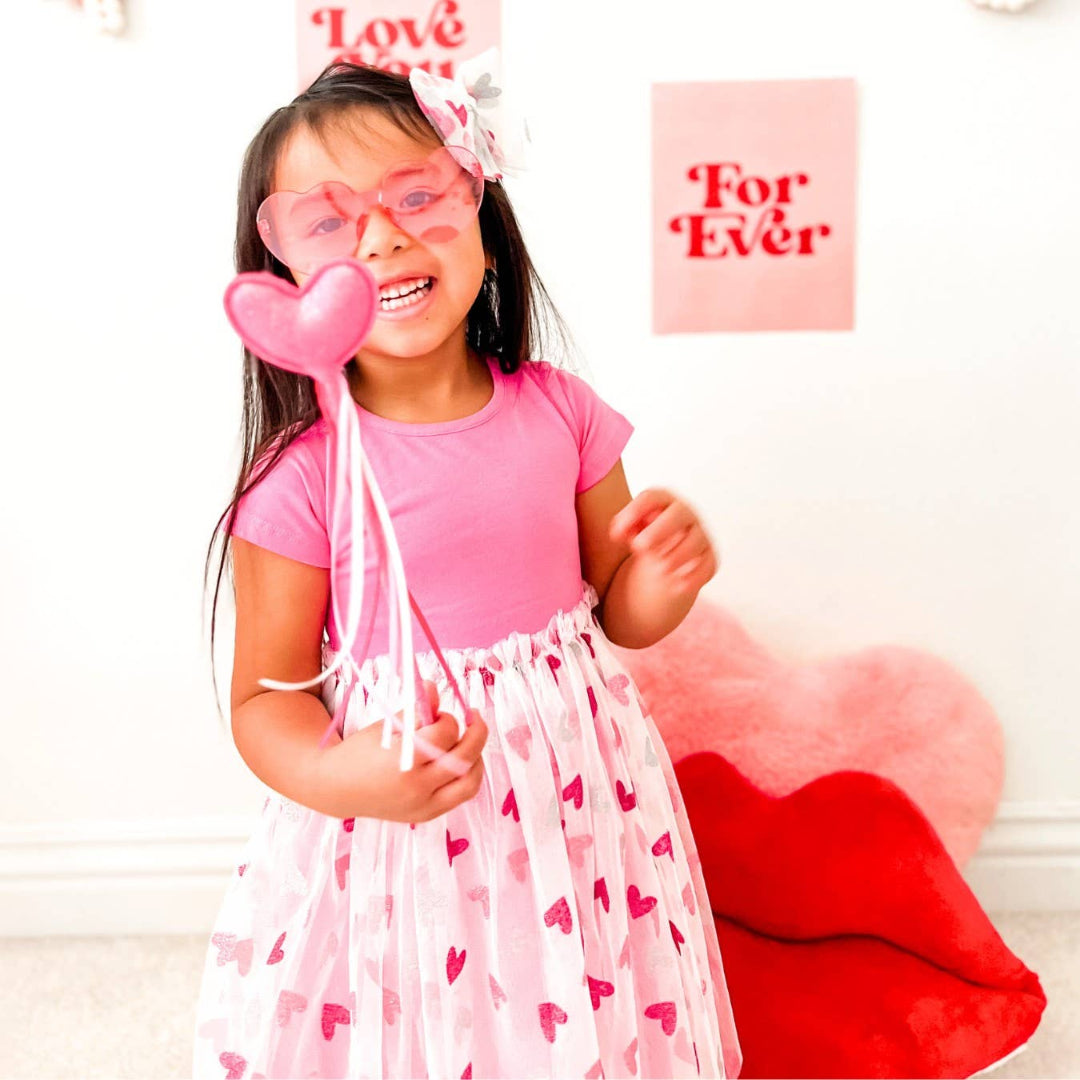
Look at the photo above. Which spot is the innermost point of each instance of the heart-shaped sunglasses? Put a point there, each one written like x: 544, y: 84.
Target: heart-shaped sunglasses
x: 432, y: 199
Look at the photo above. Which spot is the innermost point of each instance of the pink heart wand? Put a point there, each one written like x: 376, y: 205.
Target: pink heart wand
x: 315, y: 331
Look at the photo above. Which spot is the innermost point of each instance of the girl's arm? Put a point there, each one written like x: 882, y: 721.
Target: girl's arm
x: 601, y: 556
x: 280, y: 612
x: 647, y: 563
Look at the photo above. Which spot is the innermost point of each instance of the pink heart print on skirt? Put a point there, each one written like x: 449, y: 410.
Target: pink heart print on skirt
x: 315, y: 331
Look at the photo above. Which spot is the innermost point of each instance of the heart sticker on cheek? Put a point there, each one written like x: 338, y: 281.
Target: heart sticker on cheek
x: 314, y: 330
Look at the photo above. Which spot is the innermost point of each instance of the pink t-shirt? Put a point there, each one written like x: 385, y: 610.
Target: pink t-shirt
x: 482, y: 507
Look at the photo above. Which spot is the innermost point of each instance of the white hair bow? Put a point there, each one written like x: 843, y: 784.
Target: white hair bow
x: 471, y: 111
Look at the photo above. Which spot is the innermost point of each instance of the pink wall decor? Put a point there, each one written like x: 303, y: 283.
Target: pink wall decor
x: 394, y: 34
x: 753, y: 205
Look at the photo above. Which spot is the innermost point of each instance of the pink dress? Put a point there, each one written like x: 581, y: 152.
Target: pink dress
x: 555, y: 925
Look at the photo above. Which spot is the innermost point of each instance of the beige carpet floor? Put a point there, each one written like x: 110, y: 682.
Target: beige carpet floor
x: 125, y: 1007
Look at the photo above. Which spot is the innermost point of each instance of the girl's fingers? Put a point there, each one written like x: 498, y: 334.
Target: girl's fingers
x: 454, y: 791
x: 675, y: 517
x: 466, y: 749
x: 689, y: 567
x: 689, y: 548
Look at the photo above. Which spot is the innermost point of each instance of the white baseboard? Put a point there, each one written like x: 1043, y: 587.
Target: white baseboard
x: 169, y: 876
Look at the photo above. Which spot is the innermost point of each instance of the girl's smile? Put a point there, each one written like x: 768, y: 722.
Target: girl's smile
x: 406, y: 297
x: 426, y: 289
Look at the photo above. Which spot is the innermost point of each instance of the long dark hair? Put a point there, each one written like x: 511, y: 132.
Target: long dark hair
x: 512, y: 319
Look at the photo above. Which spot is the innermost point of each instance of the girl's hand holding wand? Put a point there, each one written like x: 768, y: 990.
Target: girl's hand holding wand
x: 368, y: 781
x: 671, y: 558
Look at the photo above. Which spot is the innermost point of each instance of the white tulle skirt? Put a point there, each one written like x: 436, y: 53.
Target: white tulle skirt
x: 555, y: 925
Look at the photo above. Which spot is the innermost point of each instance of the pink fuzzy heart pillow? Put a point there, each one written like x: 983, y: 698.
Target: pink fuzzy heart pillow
x: 888, y: 710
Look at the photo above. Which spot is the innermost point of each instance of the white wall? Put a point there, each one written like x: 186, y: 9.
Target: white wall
x: 912, y: 481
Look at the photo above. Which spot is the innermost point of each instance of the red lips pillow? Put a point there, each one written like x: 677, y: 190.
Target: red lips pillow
x: 830, y: 821
x: 852, y: 947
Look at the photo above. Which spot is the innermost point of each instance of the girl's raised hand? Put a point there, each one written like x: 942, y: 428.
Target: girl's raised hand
x: 664, y: 530
x: 367, y: 781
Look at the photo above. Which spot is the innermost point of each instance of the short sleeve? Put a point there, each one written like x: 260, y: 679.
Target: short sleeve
x: 602, y: 431
x: 285, y: 511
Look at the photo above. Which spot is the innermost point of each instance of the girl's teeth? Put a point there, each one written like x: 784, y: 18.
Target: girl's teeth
x: 391, y: 300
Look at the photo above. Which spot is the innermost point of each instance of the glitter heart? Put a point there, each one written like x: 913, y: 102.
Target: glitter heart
x: 480, y: 892
x: 626, y: 801
x: 574, y: 791
x: 682, y: 1045
x: 340, y: 867
x: 639, y: 905
x: 642, y: 839
x: 617, y: 685
x: 455, y: 847
x: 234, y: 1063
x: 498, y: 995
x: 664, y: 1011
x: 676, y: 936
x: 576, y: 847
x: 554, y: 662
x: 688, y: 899
x: 618, y: 735
x: 519, y: 738
x: 455, y: 961
x: 550, y: 1015
x: 510, y: 805
x: 231, y: 949
x: 289, y: 1002
x: 600, y: 893
x: 663, y: 846
x: 559, y: 912
x: 650, y: 756
x: 517, y: 860
x: 332, y: 1015
x: 276, y: 955
x: 598, y: 989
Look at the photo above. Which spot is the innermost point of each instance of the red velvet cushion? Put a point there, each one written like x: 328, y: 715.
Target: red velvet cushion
x: 852, y: 947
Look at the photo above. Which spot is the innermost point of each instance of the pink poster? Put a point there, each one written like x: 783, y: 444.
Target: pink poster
x: 394, y: 34
x: 753, y: 205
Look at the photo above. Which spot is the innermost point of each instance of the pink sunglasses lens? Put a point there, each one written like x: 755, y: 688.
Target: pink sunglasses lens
x: 436, y: 199
x: 305, y: 230
x: 432, y: 200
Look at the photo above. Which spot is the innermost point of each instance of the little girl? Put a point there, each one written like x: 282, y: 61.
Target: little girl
x: 538, y: 911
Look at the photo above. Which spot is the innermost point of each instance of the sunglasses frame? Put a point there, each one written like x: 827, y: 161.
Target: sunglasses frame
x: 467, y: 162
